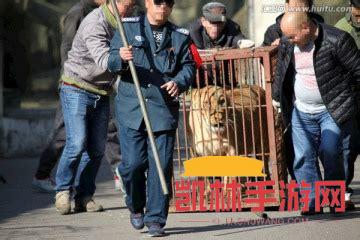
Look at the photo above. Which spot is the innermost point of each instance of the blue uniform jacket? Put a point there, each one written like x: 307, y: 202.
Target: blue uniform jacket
x: 154, y: 66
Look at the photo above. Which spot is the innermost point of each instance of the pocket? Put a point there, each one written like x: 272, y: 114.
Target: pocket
x: 73, y: 101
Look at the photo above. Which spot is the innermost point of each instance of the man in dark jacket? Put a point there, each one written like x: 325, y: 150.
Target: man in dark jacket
x: 272, y: 37
x: 160, y: 52
x: 317, y: 65
x: 215, y: 30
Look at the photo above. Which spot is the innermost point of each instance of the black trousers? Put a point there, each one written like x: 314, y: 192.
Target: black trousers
x: 354, y: 152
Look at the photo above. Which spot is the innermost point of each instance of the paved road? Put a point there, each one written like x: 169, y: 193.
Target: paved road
x: 26, y: 214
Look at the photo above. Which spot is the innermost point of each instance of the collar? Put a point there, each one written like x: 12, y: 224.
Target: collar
x: 150, y: 36
x: 108, y: 15
x: 320, y: 36
x: 208, y: 43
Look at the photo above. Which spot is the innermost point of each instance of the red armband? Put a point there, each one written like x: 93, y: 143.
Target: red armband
x: 196, y: 55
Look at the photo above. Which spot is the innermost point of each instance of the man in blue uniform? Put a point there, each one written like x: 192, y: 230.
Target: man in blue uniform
x: 160, y: 52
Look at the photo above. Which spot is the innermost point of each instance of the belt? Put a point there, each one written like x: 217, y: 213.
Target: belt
x: 72, y: 85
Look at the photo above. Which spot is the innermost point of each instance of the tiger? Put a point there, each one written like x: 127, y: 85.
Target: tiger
x: 249, y: 114
x: 218, y: 119
x: 217, y: 125
x: 207, y: 123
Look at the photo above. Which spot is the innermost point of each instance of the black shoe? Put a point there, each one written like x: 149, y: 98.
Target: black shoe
x: 349, y: 206
x: 155, y: 230
x: 311, y: 212
x: 137, y: 220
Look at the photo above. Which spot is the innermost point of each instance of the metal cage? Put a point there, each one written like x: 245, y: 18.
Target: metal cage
x: 228, y: 111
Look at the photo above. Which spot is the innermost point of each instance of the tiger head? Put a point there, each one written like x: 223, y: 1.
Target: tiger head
x: 211, y: 103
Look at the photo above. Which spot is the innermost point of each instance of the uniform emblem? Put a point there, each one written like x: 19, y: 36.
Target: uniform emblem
x: 131, y: 19
x: 183, y: 31
x: 139, y: 38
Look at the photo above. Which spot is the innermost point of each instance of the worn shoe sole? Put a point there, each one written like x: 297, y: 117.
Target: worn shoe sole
x: 63, y: 210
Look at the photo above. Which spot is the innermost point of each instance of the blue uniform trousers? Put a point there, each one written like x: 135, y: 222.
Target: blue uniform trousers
x: 139, y: 173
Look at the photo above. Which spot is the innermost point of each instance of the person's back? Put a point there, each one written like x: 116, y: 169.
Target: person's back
x: 86, y: 65
x: 71, y: 23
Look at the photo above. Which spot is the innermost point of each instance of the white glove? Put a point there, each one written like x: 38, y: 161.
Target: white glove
x: 276, y: 105
x: 245, y: 43
x: 276, y: 42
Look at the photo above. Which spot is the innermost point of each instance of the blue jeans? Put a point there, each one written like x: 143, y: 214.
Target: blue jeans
x: 86, y: 117
x: 316, y: 136
x: 137, y: 159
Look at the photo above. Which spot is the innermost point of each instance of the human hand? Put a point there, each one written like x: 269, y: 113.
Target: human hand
x: 172, y: 88
x: 276, y: 42
x: 245, y: 43
x: 126, y: 54
x: 276, y: 105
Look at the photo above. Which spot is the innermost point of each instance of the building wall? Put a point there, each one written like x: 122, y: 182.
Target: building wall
x: 259, y: 20
x: 25, y: 136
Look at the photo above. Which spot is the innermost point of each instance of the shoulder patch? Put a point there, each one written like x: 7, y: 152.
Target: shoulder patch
x: 182, y: 30
x: 131, y: 19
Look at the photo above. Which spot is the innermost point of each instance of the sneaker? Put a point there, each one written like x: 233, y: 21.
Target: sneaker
x: 137, y: 220
x: 87, y: 205
x: 155, y: 230
x: 46, y: 185
x: 119, y: 185
x: 62, y: 202
x: 347, y: 196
